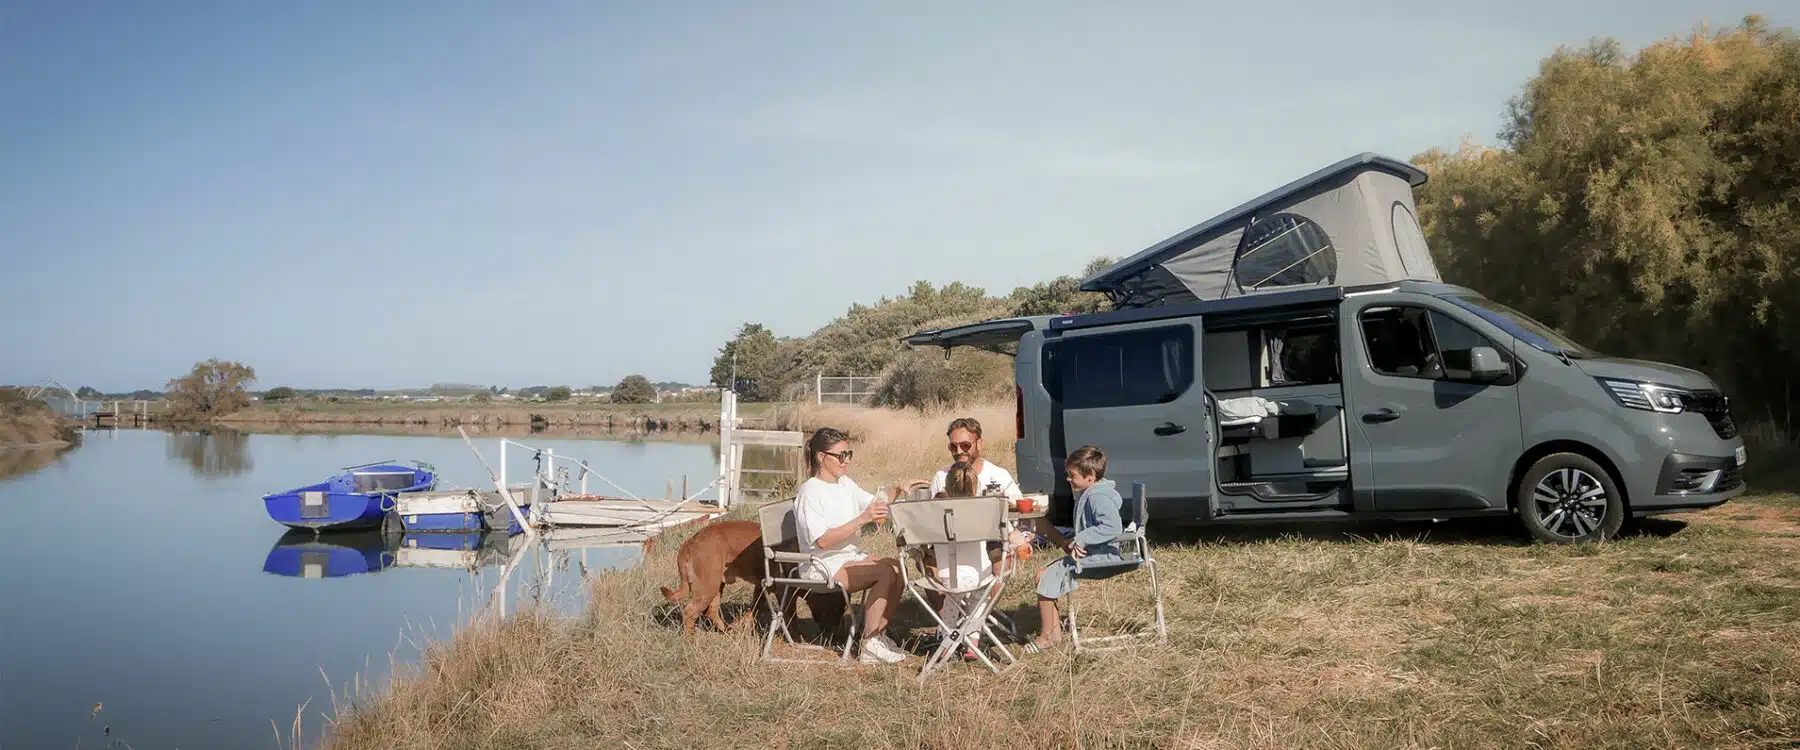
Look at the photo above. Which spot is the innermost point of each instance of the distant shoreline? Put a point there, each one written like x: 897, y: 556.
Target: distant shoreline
x: 677, y: 417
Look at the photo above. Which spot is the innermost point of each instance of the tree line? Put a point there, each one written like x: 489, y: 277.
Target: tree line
x: 1646, y: 204
x: 866, y: 341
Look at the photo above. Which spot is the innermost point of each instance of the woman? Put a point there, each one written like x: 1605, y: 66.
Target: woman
x: 829, y: 511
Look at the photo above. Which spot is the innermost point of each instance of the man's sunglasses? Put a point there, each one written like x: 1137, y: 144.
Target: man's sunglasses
x: 844, y: 457
x: 962, y: 447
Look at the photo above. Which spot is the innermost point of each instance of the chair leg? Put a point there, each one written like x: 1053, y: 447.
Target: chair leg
x: 777, y: 604
x: 850, y: 610
x: 1162, y: 630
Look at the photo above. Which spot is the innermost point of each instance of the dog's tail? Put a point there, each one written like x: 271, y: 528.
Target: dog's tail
x: 680, y: 592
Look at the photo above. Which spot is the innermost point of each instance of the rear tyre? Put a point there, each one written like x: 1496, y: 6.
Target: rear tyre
x: 1566, y: 498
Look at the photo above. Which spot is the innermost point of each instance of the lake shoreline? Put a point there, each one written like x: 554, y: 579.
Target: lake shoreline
x: 645, y: 418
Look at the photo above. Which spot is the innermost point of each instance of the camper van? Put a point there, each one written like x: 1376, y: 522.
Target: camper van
x: 1299, y: 358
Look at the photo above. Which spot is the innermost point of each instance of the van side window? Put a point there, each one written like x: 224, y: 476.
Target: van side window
x: 1413, y: 342
x: 1455, y: 341
x: 1303, y: 355
x: 1153, y: 366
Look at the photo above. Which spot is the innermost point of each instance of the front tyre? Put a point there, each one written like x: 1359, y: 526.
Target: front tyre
x: 1566, y: 498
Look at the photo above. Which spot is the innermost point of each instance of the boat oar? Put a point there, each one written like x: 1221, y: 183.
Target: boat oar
x: 495, y: 478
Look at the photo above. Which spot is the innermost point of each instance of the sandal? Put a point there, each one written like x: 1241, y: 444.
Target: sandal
x: 1034, y: 647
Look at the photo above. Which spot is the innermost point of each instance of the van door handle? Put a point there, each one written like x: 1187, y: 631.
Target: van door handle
x: 1170, y: 428
x: 1384, y: 414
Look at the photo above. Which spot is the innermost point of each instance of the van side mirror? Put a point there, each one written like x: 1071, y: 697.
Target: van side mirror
x: 1486, y: 366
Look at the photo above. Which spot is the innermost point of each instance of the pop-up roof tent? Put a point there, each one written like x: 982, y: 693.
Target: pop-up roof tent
x: 1348, y: 224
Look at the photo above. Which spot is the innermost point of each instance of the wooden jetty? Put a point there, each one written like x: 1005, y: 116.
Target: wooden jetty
x: 594, y: 510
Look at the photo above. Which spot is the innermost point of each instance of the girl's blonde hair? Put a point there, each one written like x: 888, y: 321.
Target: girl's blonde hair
x: 960, y: 480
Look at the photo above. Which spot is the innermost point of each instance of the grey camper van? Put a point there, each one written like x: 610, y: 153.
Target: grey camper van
x: 1299, y: 358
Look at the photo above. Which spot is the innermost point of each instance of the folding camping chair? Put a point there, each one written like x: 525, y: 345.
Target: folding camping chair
x: 782, y: 582
x: 1134, y: 551
x: 920, y: 525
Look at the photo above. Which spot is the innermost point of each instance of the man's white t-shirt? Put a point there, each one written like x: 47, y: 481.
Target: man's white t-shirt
x: 969, y: 560
x: 992, y: 480
x: 821, y: 506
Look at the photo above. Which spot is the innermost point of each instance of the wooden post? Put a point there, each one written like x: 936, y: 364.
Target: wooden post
x: 684, y: 495
x: 668, y: 489
x: 819, y: 387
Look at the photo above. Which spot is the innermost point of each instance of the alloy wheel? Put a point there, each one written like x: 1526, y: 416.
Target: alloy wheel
x: 1570, y: 503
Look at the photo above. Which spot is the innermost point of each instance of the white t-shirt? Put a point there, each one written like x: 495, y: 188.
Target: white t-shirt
x: 968, y: 561
x: 992, y: 480
x: 819, y: 507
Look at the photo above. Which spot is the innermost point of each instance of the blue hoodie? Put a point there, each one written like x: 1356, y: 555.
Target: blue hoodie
x: 1099, y: 520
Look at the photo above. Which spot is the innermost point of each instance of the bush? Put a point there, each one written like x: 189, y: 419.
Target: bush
x: 279, y: 393
x: 634, y: 389
x: 559, y: 393
x: 212, y: 389
x: 923, y: 379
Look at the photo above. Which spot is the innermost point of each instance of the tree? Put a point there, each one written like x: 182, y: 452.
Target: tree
x: 1648, y: 205
x: 558, y: 393
x: 482, y: 397
x: 1062, y: 295
x: 753, y: 349
x: 87, y: 393
x: 213, y: 388
x: 634, y: 389
x: 279, y: 393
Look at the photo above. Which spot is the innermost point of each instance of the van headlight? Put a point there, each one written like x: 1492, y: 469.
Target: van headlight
x: 1635, y: 394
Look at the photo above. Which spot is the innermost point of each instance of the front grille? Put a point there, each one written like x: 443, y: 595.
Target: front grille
x: 1717, y: 410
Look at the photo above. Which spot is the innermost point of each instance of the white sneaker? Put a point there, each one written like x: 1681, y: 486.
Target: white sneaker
x: 880, y: 649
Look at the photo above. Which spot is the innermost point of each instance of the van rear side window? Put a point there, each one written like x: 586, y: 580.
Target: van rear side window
x: 1133, y: 368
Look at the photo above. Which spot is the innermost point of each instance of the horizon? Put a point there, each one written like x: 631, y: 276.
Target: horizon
x: 345, y: 195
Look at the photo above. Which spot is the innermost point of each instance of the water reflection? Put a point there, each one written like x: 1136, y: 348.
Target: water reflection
x: 212, y: 453
x: 19, y: 461
x: 303, y: 554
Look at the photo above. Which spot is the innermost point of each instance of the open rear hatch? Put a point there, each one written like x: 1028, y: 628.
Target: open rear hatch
x: 992, y: 335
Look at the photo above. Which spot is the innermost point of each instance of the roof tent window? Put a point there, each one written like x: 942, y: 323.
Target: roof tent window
x: 1409, y: 240
x: 1284, y: 250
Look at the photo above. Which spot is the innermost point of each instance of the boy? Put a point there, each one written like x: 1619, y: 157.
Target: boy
x: 1098, y: 520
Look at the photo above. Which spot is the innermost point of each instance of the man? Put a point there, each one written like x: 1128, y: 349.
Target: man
x: 965, y: 564
x: 965, y: 445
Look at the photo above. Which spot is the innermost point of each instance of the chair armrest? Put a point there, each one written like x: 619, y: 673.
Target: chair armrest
x: 791, y: 557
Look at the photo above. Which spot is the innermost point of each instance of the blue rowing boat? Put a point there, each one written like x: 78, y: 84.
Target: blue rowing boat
x: 358, y: 498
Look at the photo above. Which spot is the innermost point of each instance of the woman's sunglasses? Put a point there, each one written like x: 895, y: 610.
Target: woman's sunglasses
x: 844, y: 457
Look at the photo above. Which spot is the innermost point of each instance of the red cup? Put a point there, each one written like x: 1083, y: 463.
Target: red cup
x: 1026, y: 504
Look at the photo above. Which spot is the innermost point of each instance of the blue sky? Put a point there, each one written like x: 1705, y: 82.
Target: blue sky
x: 393, y: 193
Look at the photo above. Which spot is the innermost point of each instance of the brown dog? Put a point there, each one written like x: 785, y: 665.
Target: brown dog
x: 726, y: 552
x: 723, y: 552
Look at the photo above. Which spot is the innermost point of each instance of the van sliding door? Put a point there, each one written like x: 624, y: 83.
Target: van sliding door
x: 1135, y: 391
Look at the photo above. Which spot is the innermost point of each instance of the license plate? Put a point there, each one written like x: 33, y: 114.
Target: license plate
x: 1742, y: 455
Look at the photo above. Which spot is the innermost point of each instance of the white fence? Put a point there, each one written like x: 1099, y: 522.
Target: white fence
x: 844, y: 389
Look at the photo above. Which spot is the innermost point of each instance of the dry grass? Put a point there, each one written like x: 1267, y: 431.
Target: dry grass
x: 29, y: 422
x: 1685, y: 633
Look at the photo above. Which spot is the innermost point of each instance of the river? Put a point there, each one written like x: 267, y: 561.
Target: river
x: 134, y: 580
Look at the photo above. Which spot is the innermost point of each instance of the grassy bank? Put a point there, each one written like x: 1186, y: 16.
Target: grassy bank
x: 1684, y: 633
x: 29, y: 422
x: 674, y: 416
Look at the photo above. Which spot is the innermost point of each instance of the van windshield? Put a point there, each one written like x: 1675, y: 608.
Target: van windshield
x: 1519, y: 324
